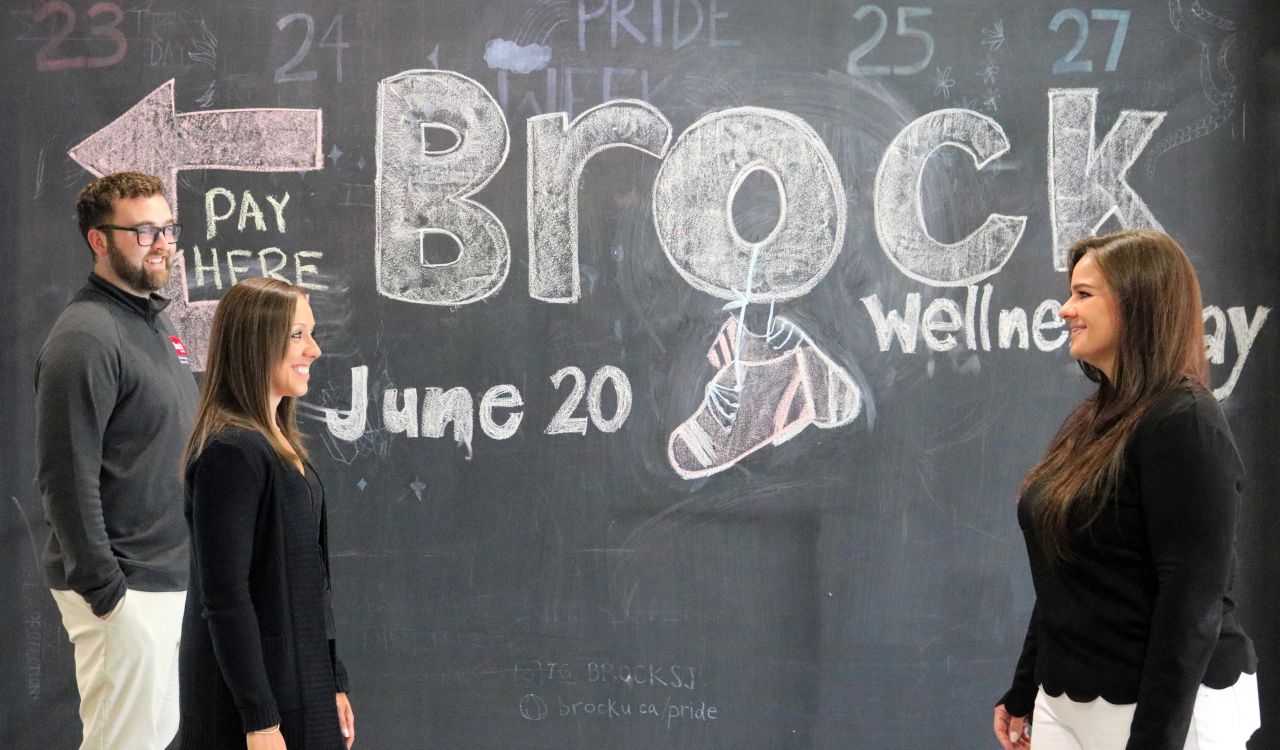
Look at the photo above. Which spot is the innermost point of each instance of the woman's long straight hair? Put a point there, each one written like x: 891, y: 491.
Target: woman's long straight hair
x: 248, y: 341
x: 1160, y: 344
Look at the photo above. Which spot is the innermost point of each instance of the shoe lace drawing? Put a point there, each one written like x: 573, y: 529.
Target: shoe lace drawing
x: 767, y: 389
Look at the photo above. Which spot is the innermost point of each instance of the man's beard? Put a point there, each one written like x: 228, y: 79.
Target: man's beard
x: 138, y: 277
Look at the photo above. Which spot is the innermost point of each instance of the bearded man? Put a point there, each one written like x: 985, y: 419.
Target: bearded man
x: 115, y: 404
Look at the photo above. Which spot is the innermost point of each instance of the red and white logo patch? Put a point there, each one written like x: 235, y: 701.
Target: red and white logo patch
x: 180, y: 349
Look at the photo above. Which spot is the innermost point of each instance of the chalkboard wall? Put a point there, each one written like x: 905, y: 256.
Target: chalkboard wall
x: 554, y: 245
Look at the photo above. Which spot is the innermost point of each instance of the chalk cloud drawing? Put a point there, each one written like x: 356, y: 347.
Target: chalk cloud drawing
x: 902, y: 233
x: 151, y: 137
x: 422, y: 191
x: 1087, y: 179
x: 501, y: 54
x: 768, y: 387
x: 558, y: 152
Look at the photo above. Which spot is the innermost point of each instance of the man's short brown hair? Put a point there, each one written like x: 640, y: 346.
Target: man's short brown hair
x: 95, y: 203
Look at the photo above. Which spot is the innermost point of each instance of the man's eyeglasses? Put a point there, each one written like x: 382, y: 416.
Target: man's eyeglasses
x: 147, y: 235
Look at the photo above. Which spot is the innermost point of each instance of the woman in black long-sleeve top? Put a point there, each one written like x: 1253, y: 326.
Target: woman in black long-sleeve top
x: 258, y: 663
x: 1130, y: 526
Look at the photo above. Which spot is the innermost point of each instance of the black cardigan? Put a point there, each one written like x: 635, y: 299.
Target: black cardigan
x: 254, y: 651
x: 1144, y: 613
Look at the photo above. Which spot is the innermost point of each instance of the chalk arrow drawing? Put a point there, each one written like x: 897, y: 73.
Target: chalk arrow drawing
x: 152, y: 137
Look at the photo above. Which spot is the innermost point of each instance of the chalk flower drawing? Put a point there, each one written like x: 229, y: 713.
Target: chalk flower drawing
x: 989, y: 71
x: 943, y: 82
x: 992, y: 101
x: 206, y: 100
x: 766, y: 390
x: 205, y: 49
x: 993, y: 38
x: 205, y: 52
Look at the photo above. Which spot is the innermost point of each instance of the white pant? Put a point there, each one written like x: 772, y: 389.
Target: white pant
x: 126, y: 668
x: 1222, y: 720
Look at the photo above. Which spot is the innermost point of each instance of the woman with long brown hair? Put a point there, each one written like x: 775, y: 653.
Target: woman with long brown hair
x: 1130, y: 526
x: 258, y: 662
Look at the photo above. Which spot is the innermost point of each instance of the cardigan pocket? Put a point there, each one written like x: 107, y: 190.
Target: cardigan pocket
x: 281, y: 665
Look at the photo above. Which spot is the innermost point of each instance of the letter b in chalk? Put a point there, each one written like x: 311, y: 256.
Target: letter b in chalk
x: 423, y: 184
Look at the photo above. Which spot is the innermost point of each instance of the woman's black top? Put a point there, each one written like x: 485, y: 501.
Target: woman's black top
x: 257, y: 647
x: 315, y: 492
x: 1143, y: 613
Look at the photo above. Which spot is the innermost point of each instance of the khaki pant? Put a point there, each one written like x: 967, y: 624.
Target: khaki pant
x: 126, y: 668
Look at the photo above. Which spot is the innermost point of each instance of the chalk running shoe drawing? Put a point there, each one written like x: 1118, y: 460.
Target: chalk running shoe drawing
x: 768, y: 388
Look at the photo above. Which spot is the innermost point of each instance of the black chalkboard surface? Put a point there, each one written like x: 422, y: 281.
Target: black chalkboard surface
x: 556, y: 246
